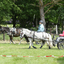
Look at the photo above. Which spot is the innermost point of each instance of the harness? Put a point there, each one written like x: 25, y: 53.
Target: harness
x: 33, y: 35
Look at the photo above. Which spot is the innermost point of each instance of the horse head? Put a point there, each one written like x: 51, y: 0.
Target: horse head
x: 13, y: 30
x: 22, y: 33
x: 4, y: 29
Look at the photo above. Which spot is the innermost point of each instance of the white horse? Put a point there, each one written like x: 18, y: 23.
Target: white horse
x: 37, y: 36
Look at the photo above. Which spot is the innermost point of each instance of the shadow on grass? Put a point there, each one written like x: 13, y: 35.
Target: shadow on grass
x: 51, y: 48
x: 26, y: 46
x: 60, y: 60
x: 39, y: 48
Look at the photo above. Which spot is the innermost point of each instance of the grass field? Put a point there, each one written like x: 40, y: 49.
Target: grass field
x: 22, y: 50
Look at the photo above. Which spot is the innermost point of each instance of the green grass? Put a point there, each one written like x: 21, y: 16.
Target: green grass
x: 5, y: 25
x: 22, y: 50
x: 9, y: 25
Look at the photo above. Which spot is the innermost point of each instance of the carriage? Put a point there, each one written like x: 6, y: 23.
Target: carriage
x: 59, y: 41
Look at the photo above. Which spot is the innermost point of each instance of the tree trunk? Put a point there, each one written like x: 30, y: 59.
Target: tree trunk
x: 57, y: 29
x: 14, y: 21
x: 41, y: 7
x: 62, y: 26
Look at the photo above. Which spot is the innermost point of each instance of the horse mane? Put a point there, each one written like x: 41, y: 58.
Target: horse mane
x: 28, y: 30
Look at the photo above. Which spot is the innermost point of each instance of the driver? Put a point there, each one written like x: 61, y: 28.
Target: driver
x: 41, y: 26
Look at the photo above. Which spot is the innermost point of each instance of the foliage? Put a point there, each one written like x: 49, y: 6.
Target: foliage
x: 6, y: 7
x: 55, y: 13
x: 24, y: 11
x: 21, y: 10
x: 28, y: 12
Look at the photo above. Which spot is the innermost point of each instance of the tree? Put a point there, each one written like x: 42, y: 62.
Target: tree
x: 41, y: 7
x: 5, y: 10
x: 28, y: 11
x: 51, y: 3
x: 9, y: 10
x: 24, y: 10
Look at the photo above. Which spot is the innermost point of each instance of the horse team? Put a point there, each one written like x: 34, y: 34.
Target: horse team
x: 29, y: 35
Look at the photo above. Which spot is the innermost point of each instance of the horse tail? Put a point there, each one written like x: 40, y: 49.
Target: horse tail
x: 50, y: 41
x: 26, y: 38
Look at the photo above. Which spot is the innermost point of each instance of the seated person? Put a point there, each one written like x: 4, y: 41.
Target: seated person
x: 62, y: 35
x: 41, y: 26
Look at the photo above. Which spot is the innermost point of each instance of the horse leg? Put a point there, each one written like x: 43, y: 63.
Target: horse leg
x: 26, y: 39
x: 43, y: 42
x: 33, y: 46
x: 30, y: 44
x: 49, y: 47
x: 49, y: 44
x: 11, y: 40
x: 20, y: 41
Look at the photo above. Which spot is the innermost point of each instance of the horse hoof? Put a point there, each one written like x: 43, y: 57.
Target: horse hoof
x: 29, y: 47
x: 40, y: 47
x: 49, y: 47
x: 34, y: 47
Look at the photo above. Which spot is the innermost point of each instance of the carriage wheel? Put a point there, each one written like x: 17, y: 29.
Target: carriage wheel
x: 60, y: 45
